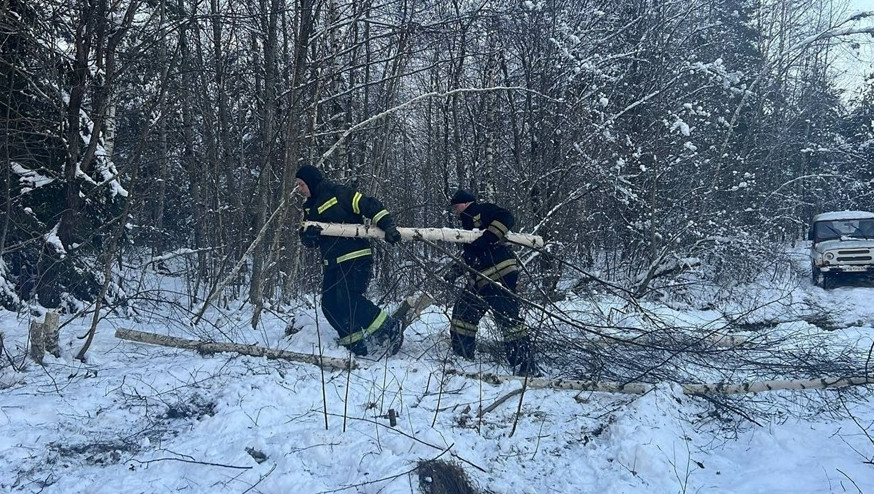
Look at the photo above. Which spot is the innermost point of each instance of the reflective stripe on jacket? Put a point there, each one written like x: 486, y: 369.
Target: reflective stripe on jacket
x: 335, y: 203
x: 496, y: 260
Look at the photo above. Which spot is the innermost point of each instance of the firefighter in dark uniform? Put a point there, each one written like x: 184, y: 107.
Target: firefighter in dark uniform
x: 361, y: 325
x: 492, y: 272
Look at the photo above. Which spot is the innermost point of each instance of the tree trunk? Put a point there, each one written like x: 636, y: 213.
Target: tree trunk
x: 293, y: 138
x: 209, y: 348
x: 50, y: 332
x: 260, y: 276
x: 689, y: 389
x: 455, y: 235
x: 37, y: 341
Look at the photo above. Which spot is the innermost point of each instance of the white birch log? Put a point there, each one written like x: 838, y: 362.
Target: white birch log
x: 715, y: 339
x: 789, y: 384
x: 455, y: 235
x: 726, y: 340
x: 532, y: 382
x: 689, y: 389
x: 243, y: 349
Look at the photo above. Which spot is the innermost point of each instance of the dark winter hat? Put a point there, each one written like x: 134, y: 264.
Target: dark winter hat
x: 462, y: 196
x: 310, y: 175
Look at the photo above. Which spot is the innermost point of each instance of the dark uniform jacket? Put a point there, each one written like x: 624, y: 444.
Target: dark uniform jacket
x: 489, y: 254
x: 334, y: 203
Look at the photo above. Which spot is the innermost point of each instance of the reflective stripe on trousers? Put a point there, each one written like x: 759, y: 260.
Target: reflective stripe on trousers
x: 369, y: 330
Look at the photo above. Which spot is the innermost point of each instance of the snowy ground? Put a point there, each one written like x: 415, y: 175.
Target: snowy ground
x: 144, y: 419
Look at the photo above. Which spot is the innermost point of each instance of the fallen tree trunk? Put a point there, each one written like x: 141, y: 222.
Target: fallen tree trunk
x: 716, y: 339
x: 243, y: 349
x: 455, y: 235
x: 689, y: 389
x: 788, y: 384
x: 532, y: 382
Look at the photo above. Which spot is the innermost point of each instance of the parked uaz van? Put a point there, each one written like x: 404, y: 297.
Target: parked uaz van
x: 842, y: 242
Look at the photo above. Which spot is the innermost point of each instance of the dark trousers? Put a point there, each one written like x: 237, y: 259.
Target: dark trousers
x: 343, y: 302
x: 473, y: 304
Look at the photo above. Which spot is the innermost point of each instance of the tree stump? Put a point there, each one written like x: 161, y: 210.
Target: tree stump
x: 44, y: 337
x: 50, y: 333
x: 37, y: 341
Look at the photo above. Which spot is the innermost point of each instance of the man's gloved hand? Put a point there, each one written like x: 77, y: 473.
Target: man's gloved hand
x: 484, y: 241
x: 310, y: 236
x: 392, y: 235
x: 471, y: 257
x: 454, y: 272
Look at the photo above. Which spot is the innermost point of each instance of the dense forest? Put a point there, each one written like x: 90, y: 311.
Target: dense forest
x: 645, y: 140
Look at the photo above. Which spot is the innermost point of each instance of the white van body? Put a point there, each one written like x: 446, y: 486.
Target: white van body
x: 841, y: 242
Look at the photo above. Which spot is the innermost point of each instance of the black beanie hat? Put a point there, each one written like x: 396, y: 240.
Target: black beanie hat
x: 462, y: 196
x: 310, y: 175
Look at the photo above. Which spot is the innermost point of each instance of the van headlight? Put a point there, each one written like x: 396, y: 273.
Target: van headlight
x: 829, y: 256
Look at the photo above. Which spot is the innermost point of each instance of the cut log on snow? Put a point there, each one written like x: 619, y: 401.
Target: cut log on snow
x: 726, y: 340
x: 455, y: 235
x: 532, y: 382
x: 715, y: 339
x: 789, y: 384
x: 546, y: 383
x: 243, y: 349
x: 689, y: 389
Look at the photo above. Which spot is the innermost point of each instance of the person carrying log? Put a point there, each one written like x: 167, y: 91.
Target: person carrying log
x: 363, y: 327
x: 491, y: 284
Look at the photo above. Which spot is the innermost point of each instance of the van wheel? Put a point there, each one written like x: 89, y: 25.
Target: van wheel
x: 816, y: 276
x: 826, y: 281
x: 829, y: 280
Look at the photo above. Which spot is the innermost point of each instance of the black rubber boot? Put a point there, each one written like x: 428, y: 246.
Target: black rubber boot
x: 388, y: 339
x: 395, y: 335
x: 517, y: 350
x: 520, y: 356
x: 462, y: 345
x: 528, y: 367
x: 358, y: 348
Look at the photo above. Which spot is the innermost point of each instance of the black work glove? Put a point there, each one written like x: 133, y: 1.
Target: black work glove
x: 483, y: 242
x: 454, y: 272
x: 392, y: 235
x: 471, y: 256
x: 310, y: 236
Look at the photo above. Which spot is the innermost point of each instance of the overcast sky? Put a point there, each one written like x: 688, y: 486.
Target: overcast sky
x: 859, y: 61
